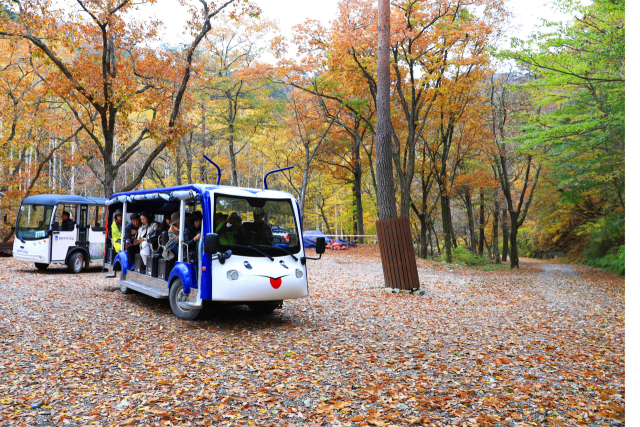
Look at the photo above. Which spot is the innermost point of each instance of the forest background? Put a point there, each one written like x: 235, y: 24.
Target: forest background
x: 503, y: 147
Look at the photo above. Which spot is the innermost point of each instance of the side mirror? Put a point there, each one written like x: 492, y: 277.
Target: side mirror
x: 211, y: 244
x: 55, y: 226
x: 321, y: 245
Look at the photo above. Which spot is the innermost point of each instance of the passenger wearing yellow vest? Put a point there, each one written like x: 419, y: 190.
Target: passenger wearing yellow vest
x: 116, y: 230
x: 233, y: 235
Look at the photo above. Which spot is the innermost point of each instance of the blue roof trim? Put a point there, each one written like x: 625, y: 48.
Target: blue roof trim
x: 200, y: 188
x: 56, y: 199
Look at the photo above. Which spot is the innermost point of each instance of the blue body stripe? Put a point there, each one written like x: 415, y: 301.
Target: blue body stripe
x: 123, y: 259
x: 206, y: 288
x: 186, y: 272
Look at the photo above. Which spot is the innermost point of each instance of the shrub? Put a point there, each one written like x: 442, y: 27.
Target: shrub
x: 612, y: 261
x: 462, y: 255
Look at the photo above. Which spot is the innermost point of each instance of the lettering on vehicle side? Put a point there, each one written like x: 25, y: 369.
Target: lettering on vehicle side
x: 22, y: 251
x: 64, y: 238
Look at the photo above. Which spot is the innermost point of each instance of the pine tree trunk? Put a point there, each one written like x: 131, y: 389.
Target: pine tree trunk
x: 384, y: 144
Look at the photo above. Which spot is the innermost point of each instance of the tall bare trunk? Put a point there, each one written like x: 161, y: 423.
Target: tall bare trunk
x: 384, y: 144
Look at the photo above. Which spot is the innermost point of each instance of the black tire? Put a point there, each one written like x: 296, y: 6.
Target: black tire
x: 124, y: 289
x: 264, y: 307
x: 41, y: 266
x: 76, y: 262
x: 175, y: 294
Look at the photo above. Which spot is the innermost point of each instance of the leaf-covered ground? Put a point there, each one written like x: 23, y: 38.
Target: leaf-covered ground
x: 540, y: 346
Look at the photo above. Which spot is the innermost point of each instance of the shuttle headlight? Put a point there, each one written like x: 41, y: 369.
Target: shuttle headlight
x: 298, y: 273
x: 232, y: 275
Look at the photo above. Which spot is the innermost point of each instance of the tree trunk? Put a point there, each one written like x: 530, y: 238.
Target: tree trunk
x: 232, y: 157
x: 447, y: 226
x: 513, y: 254
x: 494, y: 237
x: 178, y: 168
x: 357, y: 190
x: 435, y: 235
x: 481, y: 225
x: 189, y: 156
x: 505, y: 235
x: 110, y: 172
x: 472, y: 228
x: 384, y: 144
x: 430, y: 240
x: 326, y: 221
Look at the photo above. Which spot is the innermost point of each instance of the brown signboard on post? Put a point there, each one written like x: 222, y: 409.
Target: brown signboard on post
x: 398, y: 257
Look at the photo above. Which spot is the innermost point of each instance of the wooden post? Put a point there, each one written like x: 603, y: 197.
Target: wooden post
x: 397, y: 254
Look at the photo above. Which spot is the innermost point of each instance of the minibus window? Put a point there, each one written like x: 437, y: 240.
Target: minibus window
x: 265, y: 224
x: 33, y: 222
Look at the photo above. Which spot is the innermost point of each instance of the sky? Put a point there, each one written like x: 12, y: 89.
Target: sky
x: 291, y: 12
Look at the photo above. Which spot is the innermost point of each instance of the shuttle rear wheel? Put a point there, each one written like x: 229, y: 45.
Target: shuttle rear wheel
x: 41, y: 266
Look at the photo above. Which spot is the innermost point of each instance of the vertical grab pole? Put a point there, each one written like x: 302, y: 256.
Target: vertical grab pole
x: 124, y: 215
x: 181, y: 237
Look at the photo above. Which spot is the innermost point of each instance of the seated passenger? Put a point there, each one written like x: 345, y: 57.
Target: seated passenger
x: 170, y: 249
x: 192, y: 234
x: 116, y: 230
x: 191, y: 226
x: 131, y: 229
x: 219, y: 220
x: 67, y: 223
x: 166, y: 223
x: 130, y: 232
x: 146, y: 235
x: 258, y: 231
x: 233, y: 235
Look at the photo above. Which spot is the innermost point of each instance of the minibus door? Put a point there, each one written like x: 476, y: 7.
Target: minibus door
x: 62, y: 240
x: 96, y: 232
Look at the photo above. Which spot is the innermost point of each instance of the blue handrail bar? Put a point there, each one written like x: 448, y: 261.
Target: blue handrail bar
x: 274, y: 171
x: 213, y: 163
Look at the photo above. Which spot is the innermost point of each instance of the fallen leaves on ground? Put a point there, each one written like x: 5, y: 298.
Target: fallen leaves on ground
x: 543, y: 346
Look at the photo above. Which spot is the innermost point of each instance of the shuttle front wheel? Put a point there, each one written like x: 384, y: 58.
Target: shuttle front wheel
x: 177, y: 296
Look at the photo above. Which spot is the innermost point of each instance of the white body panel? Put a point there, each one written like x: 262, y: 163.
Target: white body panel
x: 61, y: 241
x: 254, y: 284
x: 32, y: 250
x: 96, y: 243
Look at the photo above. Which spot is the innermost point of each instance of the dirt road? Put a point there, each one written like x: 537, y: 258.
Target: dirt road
x: 543, y: 345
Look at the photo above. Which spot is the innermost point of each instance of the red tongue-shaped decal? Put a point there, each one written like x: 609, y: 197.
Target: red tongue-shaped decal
x: 275, y: 283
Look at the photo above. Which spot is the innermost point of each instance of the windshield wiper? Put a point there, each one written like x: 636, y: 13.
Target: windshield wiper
x: 282, y: 249
x: 251, y: 247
